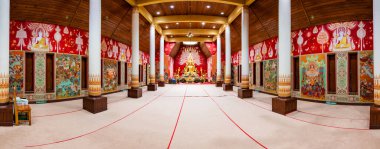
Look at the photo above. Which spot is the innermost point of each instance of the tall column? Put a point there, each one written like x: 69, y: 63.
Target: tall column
x: 94, y: 55
x: 161, y: 83
x: 227, y: 86
x: 284, y: 104
x: 244, y: 91
x: 375, y: 110
x: 135, y: 91
x: 152, y: 85
x: 218, y: 62
x: 4, y: 50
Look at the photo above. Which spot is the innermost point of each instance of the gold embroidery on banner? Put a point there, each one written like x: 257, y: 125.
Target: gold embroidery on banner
x: 94, y: 85
x: 377, y: 90
x: 4, y: 88
x: 284, y: 86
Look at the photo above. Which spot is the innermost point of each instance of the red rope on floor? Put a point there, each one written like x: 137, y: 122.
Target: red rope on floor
x: 237, y: 125
x: 91, y: 132
x: 179, y: 115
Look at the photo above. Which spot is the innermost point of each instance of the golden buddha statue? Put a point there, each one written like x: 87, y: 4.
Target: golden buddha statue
x: 190, y: 69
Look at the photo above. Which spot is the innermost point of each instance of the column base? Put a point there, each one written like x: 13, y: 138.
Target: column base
x: 374, y: 120
x: 6, y: 115
x: 244, y: 93
x: 284, y: 105
x: 161, y: 84
x: 135, y: 92
x: 152, y: 87
x: 219, y: 83
x: 95, y: 104
x: 227, y: 87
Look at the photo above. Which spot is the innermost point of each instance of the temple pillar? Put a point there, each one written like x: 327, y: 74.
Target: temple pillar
x: 219, y: 82
x: 244, y: 91
x: 227, y: 86
x: 95, y: 102
x: 152, y: 86
x: 135, y: 91
x: 161, y: 83
x: 375, y: 109
x: 284, y: 104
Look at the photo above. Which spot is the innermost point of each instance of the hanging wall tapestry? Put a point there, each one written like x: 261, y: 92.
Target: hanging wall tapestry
x: 270, y: 75
x: 313, y: 74
x: 366, y: 76
x: 109, y: 75
x: 16, y: 72
x: 67, y: 75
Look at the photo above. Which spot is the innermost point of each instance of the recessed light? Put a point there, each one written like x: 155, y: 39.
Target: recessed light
x: 208, y: 6
x: 214, y: 26
x: 158, y: 13
x: 208, y: 36
x: 166, y: 27
x: 171, y: 6
x: 222, y: 13
x: 203, y: 23
x: 177, y: 23
x: 171, y: 36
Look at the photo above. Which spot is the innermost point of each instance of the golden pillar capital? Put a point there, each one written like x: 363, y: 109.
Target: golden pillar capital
x: 227, y: 79
x: 94, y: 85
x: 284, y: 86
x: 4, y: 88
x: 244, y: 82
x: 135, y: 81
x: 377, y: 90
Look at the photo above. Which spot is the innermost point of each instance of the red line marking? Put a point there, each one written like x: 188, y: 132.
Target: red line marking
x: 237, y: 125
x: 179, y: 115
x: 91, y: 132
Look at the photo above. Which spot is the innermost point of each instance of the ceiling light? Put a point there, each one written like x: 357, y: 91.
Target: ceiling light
x: 158, y: 13
x: 177, y: 23
x: 166, y: 27
x: 208, y: 36
x: 203, y: 23
x: 214, y: 26
x: 222, y: 13
x: 190, y: 43
x: 208, y: 6
x: 171, y: 36
x: 171, y: 6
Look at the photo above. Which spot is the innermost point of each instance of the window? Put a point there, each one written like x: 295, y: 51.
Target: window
x: 296, y: 74
x: 331, y: 79
x: 50, y: 71
x: 353, y: 73
x: 119, y: 73
x: 29, y: 72
x: 254, y: 73
x: 261, y: 74
x: 84, y: 73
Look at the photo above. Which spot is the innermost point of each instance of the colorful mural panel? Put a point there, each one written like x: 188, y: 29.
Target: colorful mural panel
x: 270, y: 75
x: 199, y: 59
x: 313, y: 76
x: 109, y: 75
x: 265, y: 50
x: 341, y: 73
x: 16, y: 72
x: 366, y: 76
x: 67, y: 75
x: 40, y: 72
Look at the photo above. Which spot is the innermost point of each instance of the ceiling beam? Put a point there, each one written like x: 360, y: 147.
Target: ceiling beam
x: 230, y: 19
x: 150, y: 2
x: 249, y: 2
x: 190, y: 18
x: 181, y: 39
x: 193, y: 31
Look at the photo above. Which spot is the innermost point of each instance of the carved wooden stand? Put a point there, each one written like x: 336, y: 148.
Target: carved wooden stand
x: 152, y: 87
x: 284, y: 105
x: 374, y: 120
x: 95, y: 104
x: 244, y: 93
x: 135, y: 92
x: 227, y: 87
x: 6, y: 115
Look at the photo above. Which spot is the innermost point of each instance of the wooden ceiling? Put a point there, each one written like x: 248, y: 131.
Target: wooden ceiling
x: 116, y: 16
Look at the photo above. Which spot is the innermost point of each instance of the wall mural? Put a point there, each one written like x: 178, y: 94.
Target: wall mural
x: 109, y: 75
x: 40, y: 72
x: 16, y: 72
x: 341, y: 73
x: 366, y: 76
x: 200, y: 60
x: 264, y: 50
x: 67, y: 75
x: 270, y: 75
x: 236, y: 58
x: 313, y: 76
x: 211, y: 46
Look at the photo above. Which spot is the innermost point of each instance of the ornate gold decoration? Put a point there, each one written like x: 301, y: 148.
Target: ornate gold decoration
x: 152, y: 79
x: 377, y: 90
x: 244, y: 82
x: 219, y: 78
x: 162, y: 78
x: 284, y: 87
x: 135, y: 81
x: 227, y: 79
x: 94, y: 85
x: 4, y: 88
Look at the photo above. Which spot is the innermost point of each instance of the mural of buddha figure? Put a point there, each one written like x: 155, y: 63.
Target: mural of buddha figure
x: 312, y: 73
x: 41, y: 42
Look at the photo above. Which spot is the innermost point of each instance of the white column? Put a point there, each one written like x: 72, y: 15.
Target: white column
x: 162, y: 42
x: 284, y: 56
x: 227, y: 68
x: 94, y: 48
x: 152, y: 54
x: 218, y: 59
x: 4, y: 50
x: 244, y: 48
x: 135, y: 48
x: 376, y: 49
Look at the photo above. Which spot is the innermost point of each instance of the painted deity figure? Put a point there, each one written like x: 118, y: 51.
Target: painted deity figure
x: 342, y: 40
x: 41, y: 42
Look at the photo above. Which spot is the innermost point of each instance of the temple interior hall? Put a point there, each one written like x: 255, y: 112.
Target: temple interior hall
x: 186, y: 74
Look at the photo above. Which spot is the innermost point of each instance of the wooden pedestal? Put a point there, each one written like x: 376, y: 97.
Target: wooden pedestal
x: 244, y: 93
x: 227, y: 87
x: 161, y: 83
x: 95, y: 104
x: 284, y: 105
x: 219, y: 84
x: 135, y: 92
x: 152, y: 87
x: 374, y: 120
x: 6, y: 115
